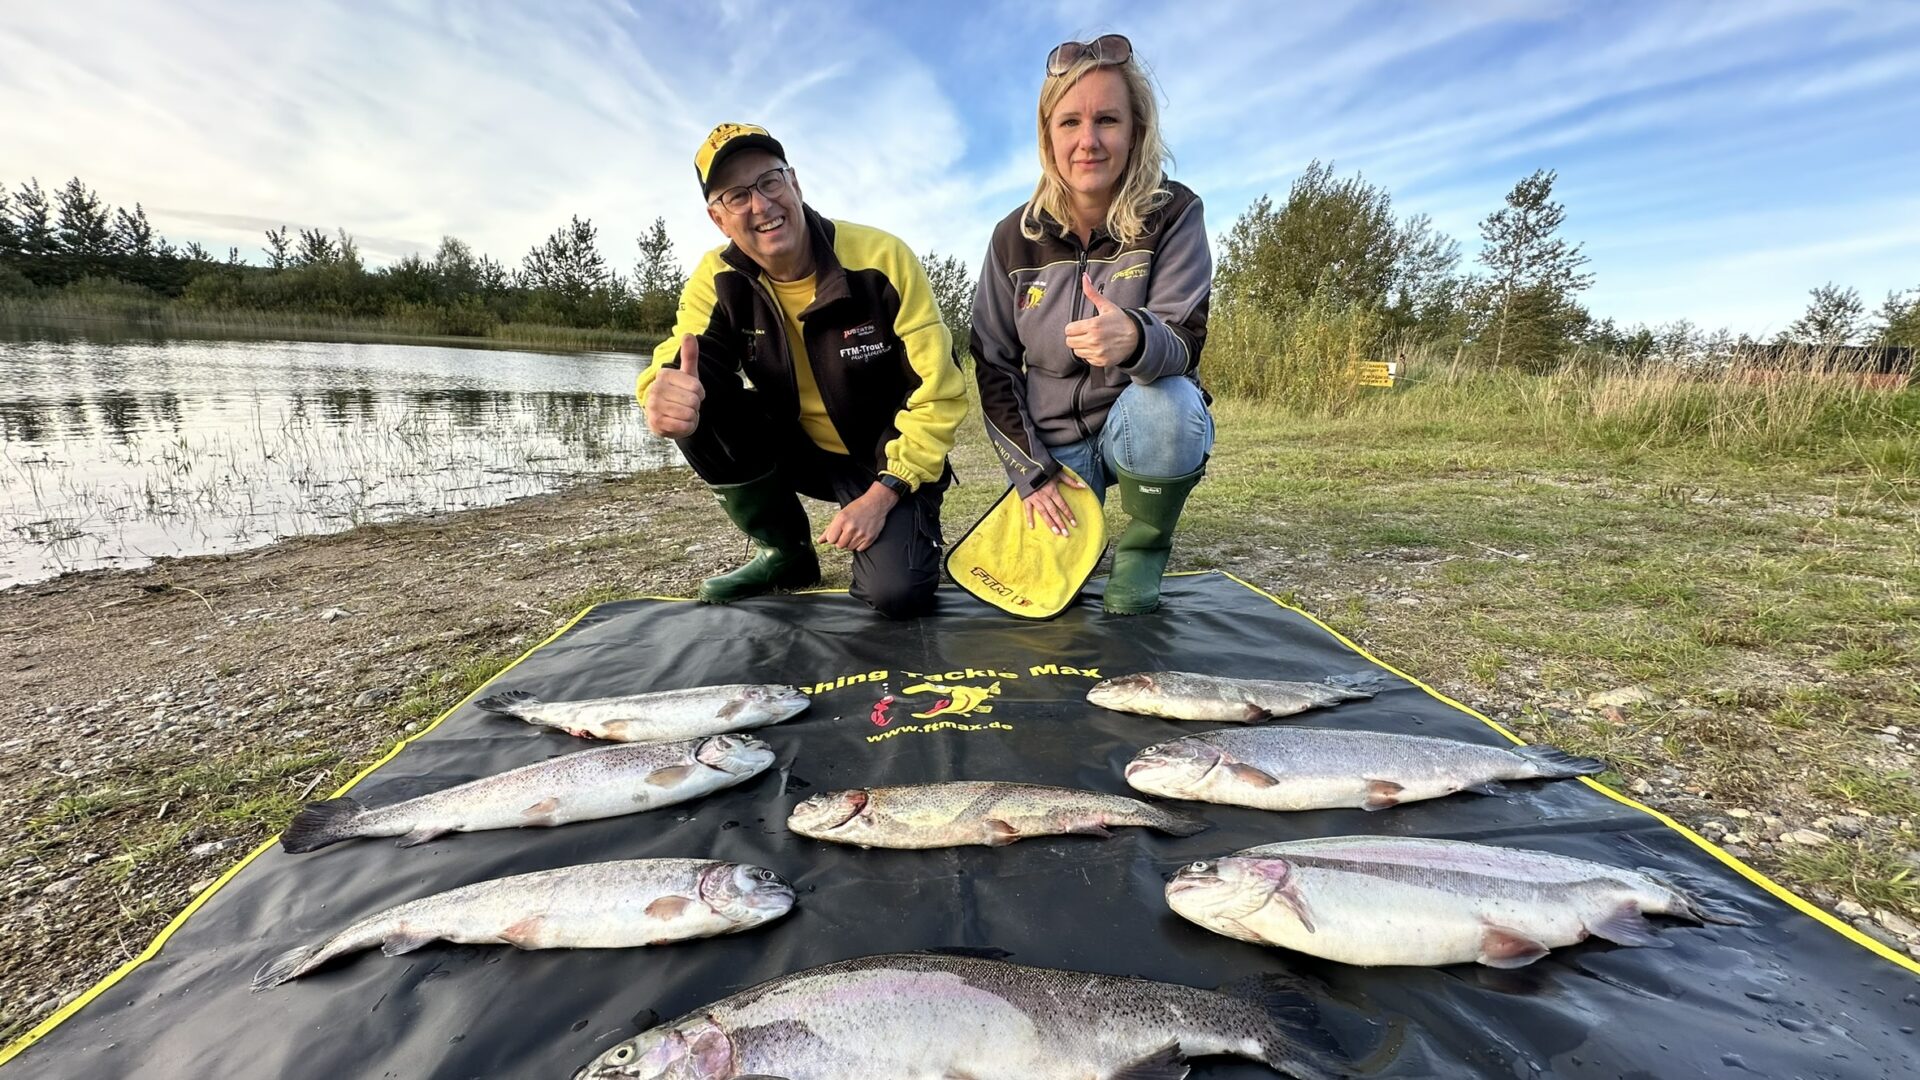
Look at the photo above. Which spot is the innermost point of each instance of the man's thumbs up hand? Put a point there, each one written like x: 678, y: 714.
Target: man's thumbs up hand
x: 1108, y: 336
x: 674, y: 399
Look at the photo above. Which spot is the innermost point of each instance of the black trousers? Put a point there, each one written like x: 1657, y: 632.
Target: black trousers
x: 737, y: 442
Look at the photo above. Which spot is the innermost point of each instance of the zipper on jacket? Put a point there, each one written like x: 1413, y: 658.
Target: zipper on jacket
x: 780, y: 325
x: 1086, y: 369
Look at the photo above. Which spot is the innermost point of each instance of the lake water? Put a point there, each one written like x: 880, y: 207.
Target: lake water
x: 113, y: 452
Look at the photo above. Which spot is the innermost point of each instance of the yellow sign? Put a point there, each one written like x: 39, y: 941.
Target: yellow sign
x: 1377, y: 372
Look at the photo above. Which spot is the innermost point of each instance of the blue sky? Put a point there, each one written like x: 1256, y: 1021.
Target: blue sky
x: 1718, y: 160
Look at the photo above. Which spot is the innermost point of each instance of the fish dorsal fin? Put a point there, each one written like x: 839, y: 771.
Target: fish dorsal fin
x: 1503, y: 947
x: 1166, y: 1063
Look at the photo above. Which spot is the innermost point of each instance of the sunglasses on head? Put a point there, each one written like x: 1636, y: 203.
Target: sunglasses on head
x: 1105, y: 49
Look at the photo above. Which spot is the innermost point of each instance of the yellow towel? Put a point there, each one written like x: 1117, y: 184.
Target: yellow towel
x: 1030, y: 573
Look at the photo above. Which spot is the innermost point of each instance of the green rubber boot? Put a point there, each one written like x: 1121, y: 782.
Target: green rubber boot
x: 1140, y: 555
x: 770, y: 514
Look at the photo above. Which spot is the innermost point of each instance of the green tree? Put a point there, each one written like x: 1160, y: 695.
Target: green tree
x: 83, y: 229
x: 279, y: 249
x: 1834, y: 316
x: 1898, y: 320
x: 33, y: 215
x: 953, y: 294
x: 1338, y: 236
x: 315, y: 248
x: 133, y: 234
x: 456, y: 268
x: 568, y: 268
x: 9, y: 230
x: 1528, y: 306
x: 657, y: 279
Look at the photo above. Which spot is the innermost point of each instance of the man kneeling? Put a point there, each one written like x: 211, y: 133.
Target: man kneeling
x: 852, y: 391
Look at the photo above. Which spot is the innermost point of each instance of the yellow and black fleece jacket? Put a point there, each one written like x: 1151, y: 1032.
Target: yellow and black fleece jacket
x: 883, y: 360
x: 1034, y: 391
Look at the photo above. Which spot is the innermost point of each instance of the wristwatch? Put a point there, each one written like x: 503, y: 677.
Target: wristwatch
x: 896, y: 485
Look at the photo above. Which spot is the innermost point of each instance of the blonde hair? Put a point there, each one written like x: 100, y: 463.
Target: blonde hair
x: 1142, y: 185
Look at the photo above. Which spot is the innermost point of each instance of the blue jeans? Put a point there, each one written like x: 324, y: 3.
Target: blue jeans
x: 1160, y: 429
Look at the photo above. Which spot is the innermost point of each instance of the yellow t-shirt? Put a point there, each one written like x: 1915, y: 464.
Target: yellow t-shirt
x: 793, y: 298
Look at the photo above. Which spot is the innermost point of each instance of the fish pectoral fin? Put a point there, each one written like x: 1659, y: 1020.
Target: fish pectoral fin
x: 405, y: 940
x: 525, y: 934
x: 1247, y: 774
x: 1000, y: 833
x: 1490, y: 787
x: 1253, y: 714
x: 670, y: 776
x: 1627, y: 926
x: 1382, y: 794
x: 541, y: 813
x: 421, y: 835
x: 1166, y: 1063
x: 1501, y: 947
x: 668, y: 907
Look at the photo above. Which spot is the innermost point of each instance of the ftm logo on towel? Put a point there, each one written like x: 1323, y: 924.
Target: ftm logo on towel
x: 999, y: 588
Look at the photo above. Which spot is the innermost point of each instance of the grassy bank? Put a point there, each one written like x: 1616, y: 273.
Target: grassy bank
x: 133, y: 314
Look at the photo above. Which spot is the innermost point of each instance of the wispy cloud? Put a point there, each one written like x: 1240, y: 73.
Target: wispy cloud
x: 1717, y: 160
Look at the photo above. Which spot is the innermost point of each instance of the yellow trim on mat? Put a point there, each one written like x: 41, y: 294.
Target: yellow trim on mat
x: 40, y: 1030
x: 1745, y: 871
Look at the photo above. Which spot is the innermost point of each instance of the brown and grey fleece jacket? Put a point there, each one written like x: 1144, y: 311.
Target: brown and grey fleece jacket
x: 1033, y: 391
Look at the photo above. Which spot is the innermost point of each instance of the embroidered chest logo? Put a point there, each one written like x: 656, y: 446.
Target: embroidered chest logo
x: 1035, y: 293
x: 1137, y: 270
x: 863, y: 330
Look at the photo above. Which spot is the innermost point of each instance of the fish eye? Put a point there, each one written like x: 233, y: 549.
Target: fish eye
x: 622, y: 1054
x: 767, y: 875
x: 1199, y: 867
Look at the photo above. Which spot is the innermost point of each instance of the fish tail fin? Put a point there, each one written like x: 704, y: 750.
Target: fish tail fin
x: 321, y: 823
x: 1557, y: 764
x: 1295, y: 1039
x: 288, y: 965
x: 1693, y: 901
x: 507, y: 703
x: 1360, y: 684
x: 1178, y: 823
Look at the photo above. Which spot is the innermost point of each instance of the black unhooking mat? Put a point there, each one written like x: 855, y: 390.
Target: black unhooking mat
x: 968, y: 694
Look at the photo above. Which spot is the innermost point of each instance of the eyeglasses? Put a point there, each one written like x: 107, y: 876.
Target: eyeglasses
x: 771, y: 184
x: 1105, y: 49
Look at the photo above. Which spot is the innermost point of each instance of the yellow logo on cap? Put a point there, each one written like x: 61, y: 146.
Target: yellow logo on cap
x: 719, y: 137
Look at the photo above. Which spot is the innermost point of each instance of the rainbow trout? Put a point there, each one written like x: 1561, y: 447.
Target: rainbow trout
x: 599, y: 783
x: 606, y: 905
x: 1370, y: 900
x: 1183, y: 695
x: 659, y: 716
x: 1304, y: 768
x: 972, y: 812
x: 928, y: 1016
